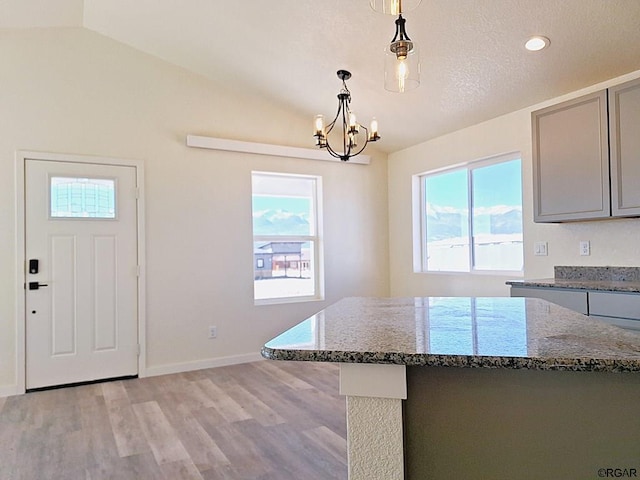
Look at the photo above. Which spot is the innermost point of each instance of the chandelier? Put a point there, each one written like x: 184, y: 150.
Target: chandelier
x: 353, y: 136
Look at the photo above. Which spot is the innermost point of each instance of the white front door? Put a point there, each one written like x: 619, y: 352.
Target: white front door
x: 81, y: 272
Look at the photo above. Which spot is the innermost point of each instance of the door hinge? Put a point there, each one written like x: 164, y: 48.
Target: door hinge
x: 138, y: 270
x: 137, y: 193
x: 138, y: 350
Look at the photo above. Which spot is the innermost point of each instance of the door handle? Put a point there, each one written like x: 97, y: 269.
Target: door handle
x: 36, y: 285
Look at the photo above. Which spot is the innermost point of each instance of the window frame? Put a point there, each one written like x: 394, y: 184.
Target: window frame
x: 420, y: 256
x: 315, y: 240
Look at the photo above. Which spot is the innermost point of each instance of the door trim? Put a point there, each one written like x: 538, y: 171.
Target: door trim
x: 20, y: 267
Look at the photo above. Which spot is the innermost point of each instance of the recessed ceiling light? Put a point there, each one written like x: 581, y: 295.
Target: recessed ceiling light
x: 537, y: 43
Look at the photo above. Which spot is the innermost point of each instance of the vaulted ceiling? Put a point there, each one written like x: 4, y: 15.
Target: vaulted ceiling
x: 474, y: 65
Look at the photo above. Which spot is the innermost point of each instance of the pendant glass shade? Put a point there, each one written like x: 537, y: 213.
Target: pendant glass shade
x: 401, y: 61
x: 394, y: 7
x: 401, y: 74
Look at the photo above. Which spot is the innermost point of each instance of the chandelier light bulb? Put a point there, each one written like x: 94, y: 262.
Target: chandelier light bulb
x: 318, y: 124
x: 402, y: 73
x: 352, y: 121
x: 374, y: 128
x: 318, y: 131
x: 352, y: 140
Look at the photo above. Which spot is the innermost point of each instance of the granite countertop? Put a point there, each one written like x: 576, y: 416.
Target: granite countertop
x: 609, y: 279
x: 602, y: 285
x: 499, y: 332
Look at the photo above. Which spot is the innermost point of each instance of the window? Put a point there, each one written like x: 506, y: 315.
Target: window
x: 72, y: 197
x: 471, y: 218
x: 286, y: 237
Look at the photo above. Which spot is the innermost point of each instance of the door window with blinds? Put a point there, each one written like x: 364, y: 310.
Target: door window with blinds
x: 76, y: 197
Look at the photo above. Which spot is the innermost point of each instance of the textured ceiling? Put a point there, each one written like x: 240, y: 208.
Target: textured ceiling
x: 474, y: 65
x: 40, y: 13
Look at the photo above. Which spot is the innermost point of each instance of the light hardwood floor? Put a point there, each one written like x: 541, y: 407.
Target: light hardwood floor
x: 264, y: 421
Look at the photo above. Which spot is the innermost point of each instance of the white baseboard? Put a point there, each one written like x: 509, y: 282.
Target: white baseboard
x: 9, y: 390
x: 200, y: 364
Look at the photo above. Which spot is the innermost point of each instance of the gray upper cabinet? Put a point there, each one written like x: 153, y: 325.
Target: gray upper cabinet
x: 624, y: 121
x: 571, y: 160
x: 586, y: 156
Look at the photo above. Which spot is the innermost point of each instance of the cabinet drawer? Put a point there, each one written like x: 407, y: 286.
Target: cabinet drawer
x: 622, y: 305
x: 574, y: 300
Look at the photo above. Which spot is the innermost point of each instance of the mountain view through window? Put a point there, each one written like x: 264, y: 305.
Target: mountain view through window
x: 488, y: 239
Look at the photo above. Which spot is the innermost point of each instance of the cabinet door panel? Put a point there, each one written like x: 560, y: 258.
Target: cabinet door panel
x: 571, y: 160
x: 623, y: 305
x: 624, y: 121
x: 574, y: 300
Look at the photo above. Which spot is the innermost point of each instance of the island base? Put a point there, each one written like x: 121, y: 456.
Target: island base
x: 524, y: 424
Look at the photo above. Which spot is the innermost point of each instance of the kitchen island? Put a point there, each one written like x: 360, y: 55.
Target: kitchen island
x: 476, y: 387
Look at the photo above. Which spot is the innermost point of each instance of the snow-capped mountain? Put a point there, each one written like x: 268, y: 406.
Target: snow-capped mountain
x: 448, y: 222
x: 280, y: 222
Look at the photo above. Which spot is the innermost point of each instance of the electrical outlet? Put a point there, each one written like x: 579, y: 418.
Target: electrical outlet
x: 585, y: 248
x: 213, y: 332
x: 540, y: 248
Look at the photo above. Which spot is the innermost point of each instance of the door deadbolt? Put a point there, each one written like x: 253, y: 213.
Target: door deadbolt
x: 34, y: 266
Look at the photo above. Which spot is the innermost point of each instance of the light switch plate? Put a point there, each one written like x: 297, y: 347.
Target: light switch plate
x: 540, y: 249
x: 585, y: 248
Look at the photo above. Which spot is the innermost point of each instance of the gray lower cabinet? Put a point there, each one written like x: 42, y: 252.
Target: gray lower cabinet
x: 620, y: 309
x: 586, y: 156
x: 625, y: 323
x: 572, y: 299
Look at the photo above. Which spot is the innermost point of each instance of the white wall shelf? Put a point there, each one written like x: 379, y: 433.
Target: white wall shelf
x: 227, y: 145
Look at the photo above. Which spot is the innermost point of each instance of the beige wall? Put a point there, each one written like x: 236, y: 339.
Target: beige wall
x: 74, y: 91
x: 613, y: 242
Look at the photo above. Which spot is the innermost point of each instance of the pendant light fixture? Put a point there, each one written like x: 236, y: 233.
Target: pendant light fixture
x: 394, y: 7
x: 401, y: 61
x: 401, y: 58
x: 353, y: 136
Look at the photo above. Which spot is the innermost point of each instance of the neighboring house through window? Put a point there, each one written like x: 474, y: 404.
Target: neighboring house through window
x: 286, y: 237
x: 471, y: 217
